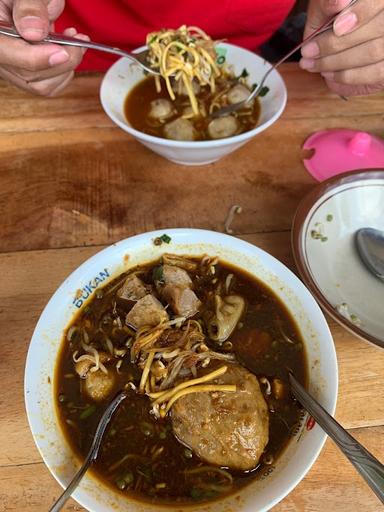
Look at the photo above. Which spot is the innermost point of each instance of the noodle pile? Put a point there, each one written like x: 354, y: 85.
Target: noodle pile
x: 183, y: 55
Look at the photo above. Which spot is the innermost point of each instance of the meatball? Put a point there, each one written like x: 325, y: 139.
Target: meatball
x: 176, y: 276
x: 223, y: 127
x: 183, y: 301
x: 180, y: 89
x: 99, y: 385
x: 133, y: 289
x: 179, y: 129
x: 225, y: 429
x: 238, y: 93
x: 148, y: 311
x: 160, y: 109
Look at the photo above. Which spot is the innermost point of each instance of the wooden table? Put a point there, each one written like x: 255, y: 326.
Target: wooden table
x: 71, y: 182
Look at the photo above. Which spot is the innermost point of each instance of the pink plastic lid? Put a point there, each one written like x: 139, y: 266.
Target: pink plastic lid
x: 337, y: 151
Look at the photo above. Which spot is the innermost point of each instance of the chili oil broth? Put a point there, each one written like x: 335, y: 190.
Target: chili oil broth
x: 137, y: 107
x: 132, y: 447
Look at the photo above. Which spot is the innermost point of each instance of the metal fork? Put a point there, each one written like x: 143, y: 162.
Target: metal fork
x: 139, y: 58
x: 224, y: 111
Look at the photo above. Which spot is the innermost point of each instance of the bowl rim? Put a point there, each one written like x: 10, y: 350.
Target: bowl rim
x: 332, y: 392
x: 300, y: 218
x: 197, y: 144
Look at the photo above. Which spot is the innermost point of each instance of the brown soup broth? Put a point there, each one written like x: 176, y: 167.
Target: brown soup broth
x: 140, y: 456
x: 137, y: 107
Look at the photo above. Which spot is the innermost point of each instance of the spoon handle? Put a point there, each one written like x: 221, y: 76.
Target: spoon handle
x: 92, y: 454
x: 365, y: 463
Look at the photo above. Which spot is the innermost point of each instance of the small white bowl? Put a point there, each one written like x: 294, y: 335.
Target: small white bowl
x: 332, y: 268
x: 301, y: 451
x: 123, y: 76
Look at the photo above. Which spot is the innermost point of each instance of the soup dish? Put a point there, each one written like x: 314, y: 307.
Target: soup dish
x: 123, y: 77
x: 202, y: 328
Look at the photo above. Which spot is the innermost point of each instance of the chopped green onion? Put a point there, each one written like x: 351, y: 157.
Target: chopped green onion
x: 121, y: 484
x: 147, y: 429
x: 243, y: 74
x: 200, y: 494
x: 329, y: 217
x: 158, y: 274
x: 88, y: 412
x: 188, y: 453
x: 264, y: 91
x: 165, y: 238
x: 128, y: 478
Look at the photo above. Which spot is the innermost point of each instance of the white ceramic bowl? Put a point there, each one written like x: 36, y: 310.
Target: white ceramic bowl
x: 302, y: 450
x: 332, y: 268
x: 123, y: 75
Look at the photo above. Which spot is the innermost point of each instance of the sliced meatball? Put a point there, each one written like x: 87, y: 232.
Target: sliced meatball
x: 133, y: 289
x: 225, y: 429
x: 147, y: 311
x: 183, y: 301
x: 223, y: 127
x: 161, y: 108
x: 176, y: 276
x: 175, y: 288
x: 180, y: 129
x: 99, y: 386
x: 238, y: 93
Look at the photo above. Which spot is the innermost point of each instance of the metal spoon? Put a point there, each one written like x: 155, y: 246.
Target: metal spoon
x: 370, y: 246
x: 224, y: 111
x: 366, y: 464
x: 94, y: 450
x: 140, y: 58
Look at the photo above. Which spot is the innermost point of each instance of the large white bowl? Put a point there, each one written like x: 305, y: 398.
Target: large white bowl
x: 303, y: 448
x: 123, y: 76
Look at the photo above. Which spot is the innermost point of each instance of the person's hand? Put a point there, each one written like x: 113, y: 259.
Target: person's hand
x: 351, y: 56
x: 44, y: 68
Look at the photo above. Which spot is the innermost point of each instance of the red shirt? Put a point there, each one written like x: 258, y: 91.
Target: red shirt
x: 125, y: 23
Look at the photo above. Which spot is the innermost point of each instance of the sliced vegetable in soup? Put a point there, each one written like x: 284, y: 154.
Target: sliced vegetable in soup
x: 205, y: 350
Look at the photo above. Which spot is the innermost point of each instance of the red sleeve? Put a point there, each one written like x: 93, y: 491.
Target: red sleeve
x: 125, y: 23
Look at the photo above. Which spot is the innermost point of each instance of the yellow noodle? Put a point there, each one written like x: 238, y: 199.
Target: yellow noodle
x: 166, y: 395
x: 147, y: 367
x: 181, y: 54
x: 231, y: 388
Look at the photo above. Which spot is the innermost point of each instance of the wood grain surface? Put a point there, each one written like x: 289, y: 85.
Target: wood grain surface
x: 71, y: 182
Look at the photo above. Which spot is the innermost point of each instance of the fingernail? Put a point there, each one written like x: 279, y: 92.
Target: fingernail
x: 345, y: 24
x: 58, y: 58
x: 307, y: 63
x: 31, y: 26
x: 328, y: 75
x: 310, y: 50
